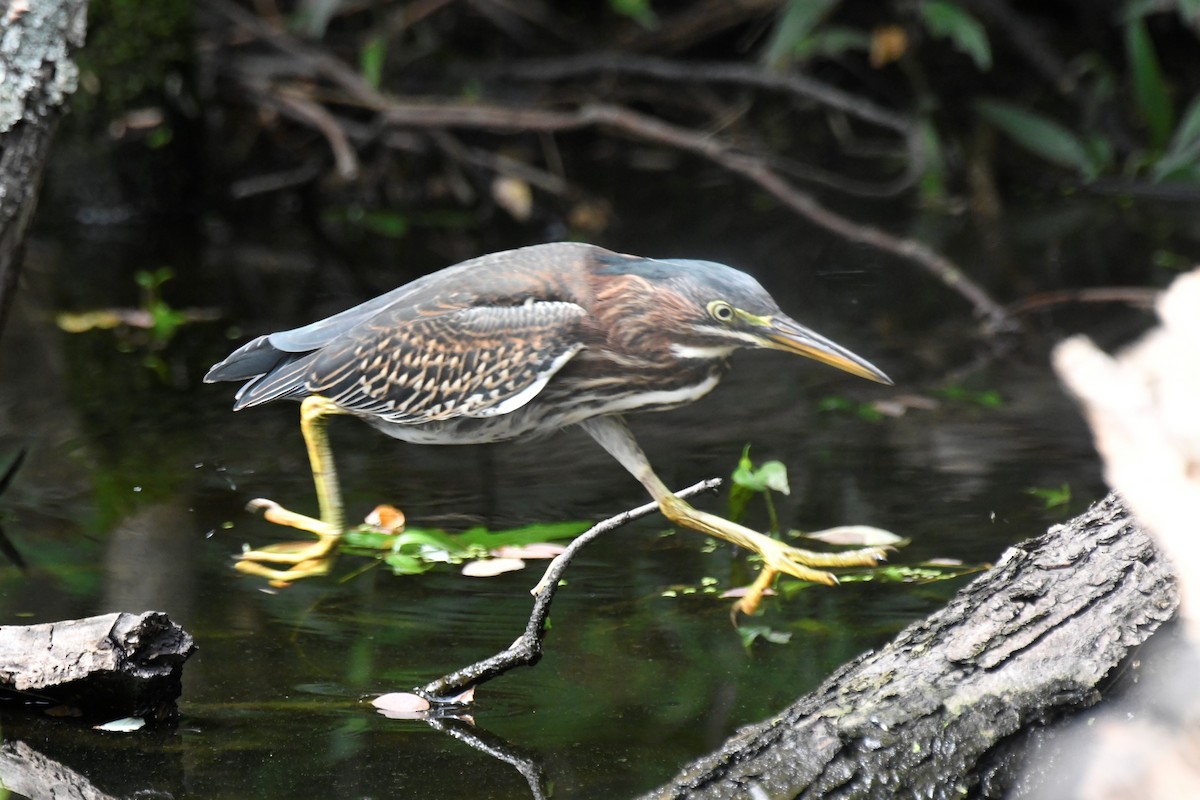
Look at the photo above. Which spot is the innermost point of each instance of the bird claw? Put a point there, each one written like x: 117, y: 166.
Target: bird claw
x: 306, y: 559
x: 280, y: 578
x: 802, y: 563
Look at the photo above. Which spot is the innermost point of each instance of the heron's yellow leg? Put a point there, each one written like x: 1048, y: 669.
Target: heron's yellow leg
x: 306, y: 558
x: 615, y: 437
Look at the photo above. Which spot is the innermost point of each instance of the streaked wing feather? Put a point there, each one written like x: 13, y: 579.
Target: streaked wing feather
x: 474, y: 362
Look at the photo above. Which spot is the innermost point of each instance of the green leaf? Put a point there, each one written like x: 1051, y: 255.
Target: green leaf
x: 831, y: 42
x: 1052, y: 497
x: 1043, y: 137
x: 370, y: 60
x: 752, y: 633
x: 987, y: 398
x: 946, y: 20
x: 392, y: 224
x: 771, y: 476
x: 402, y: 564
x: 798, y: 22
x: 528, y: 534
x: 637, y: 10
x: 1183, y: 151
x: 1149, y: 86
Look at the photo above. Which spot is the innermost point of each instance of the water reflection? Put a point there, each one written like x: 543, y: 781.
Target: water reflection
x: 133, y: 493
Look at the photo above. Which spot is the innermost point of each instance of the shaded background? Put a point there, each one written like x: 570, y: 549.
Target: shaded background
x: 179, y: 186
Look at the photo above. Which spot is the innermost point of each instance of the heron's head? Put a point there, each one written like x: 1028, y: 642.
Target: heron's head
x: 709, y: 310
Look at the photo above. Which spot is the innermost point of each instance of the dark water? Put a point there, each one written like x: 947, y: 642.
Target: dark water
x: 132, y: 495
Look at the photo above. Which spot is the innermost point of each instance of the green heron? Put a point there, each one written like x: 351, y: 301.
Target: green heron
x: 521, y: 343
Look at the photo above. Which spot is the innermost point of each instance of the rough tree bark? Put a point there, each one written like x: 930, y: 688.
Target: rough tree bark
x: 115, y: 665
x: 36, y: 42
x: 932, y: 713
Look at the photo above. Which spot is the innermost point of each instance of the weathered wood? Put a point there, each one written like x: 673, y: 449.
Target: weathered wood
x: 35, y: 60
x: 29, y: 773
x: 1028, y: 642
x: 116, y: 665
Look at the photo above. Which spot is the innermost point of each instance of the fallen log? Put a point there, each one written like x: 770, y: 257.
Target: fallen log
x: 99, y: 668
x: 934, y: 713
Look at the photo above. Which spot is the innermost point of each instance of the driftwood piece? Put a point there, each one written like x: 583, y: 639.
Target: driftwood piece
x: 106, y: 667
x: 930, y: 714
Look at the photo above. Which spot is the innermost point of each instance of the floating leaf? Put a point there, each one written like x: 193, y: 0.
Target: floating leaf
x: 125, y: 725
x: 529, y: 534
x: 752, y: 633
x: 490, y: 567
x: 403, y: 564
x: 742, y: 591
x: 401, y: 705
x: 857, y: 536
x: 537, y: 550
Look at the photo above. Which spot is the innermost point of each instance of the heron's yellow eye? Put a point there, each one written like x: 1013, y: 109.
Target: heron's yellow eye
x: 720, y: 311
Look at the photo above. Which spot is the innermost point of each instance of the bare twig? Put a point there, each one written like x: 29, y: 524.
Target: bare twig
x: 409, y: 114
x: 527, y: 649
x: 303, y: 109
x: 1137, y: 296
x: 792, y: 83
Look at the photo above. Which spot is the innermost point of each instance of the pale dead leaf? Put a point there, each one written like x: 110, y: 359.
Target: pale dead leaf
x: 388, y: 519
x: 401, y: 705
x: 856, y: 536
x: 742, y: 591
x: 529, y: 551
x: 490, y: 567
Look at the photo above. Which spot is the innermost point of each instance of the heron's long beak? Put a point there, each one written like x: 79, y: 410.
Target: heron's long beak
x: 790, y: 336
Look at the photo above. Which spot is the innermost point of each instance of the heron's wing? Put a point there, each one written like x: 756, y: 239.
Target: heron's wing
x: 474, y: 362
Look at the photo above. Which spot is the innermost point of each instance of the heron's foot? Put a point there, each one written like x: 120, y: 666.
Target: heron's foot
x: 779, y: 557
x: 280, y: 578
x: 306, y: 559
x: 748, y: 603
x: 806, y: 564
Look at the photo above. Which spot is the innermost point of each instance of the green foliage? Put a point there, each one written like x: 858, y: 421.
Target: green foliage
x: 637, y: 10
x: 1181, y: 159
x: 797, y: 35
x: 753, y: 633
x: 417, y: 550
x: 986, y: 398
x: 1150, y: 87
x: 1052, y: 497
x: 947, y: 20
x: 165, y: 320
x: 840, y: 405
x: 371, y: 59
x: 134, y: 48
x: 1048, y: 139
x: 748, y: 481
